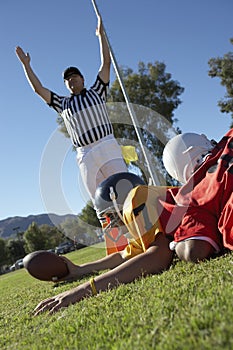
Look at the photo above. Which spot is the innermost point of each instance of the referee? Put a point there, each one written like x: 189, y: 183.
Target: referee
x: 85, y: 116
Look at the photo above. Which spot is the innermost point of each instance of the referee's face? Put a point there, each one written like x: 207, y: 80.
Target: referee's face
x: 74, y: 83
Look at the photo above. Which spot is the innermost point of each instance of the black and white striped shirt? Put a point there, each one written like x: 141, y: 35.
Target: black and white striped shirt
x: 85, y: 115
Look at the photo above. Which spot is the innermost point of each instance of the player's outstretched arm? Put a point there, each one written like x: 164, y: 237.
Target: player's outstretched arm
x: 77, y: 271
x: 156, y: 259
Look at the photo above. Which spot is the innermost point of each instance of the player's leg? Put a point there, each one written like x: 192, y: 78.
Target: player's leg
x: 194, y: 250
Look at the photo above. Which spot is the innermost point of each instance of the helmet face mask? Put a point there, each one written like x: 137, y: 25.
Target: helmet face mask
x: 194, y: 164
x: 184, y: 153
x: 109, y: 220
x: 111, y: 217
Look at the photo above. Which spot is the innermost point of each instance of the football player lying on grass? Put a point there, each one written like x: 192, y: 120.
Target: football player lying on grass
x: 195, y: 220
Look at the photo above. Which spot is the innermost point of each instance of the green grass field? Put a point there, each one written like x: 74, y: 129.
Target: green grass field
x: 188, y: 307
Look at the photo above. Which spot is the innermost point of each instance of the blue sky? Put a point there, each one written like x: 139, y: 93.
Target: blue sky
x: 183, y: 34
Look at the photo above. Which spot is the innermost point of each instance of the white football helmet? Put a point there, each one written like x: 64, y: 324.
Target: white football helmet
x: 184, y: 153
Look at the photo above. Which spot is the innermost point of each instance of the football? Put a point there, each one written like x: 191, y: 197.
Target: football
x: 45, y: 266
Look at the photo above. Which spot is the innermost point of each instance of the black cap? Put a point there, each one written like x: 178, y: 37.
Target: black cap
x: 71, y: 70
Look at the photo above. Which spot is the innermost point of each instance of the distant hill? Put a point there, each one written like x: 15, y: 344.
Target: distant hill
x: 10, y: 226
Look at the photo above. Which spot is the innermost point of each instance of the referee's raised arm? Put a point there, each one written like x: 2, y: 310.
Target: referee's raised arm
x: 33, y: 80
x: 104, y: 71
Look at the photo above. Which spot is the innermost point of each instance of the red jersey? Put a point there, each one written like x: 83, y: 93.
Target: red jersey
x: 207, y: 198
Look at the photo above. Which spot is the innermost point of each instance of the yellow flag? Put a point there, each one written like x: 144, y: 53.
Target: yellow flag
x: 129, y: 154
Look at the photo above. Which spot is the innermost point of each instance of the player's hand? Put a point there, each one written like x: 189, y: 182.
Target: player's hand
x: 74, y: 271
x: 24, y: 58
x: 59, y: 301
x: 99, y: 29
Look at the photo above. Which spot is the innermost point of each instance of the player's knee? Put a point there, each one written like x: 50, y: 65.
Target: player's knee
x: 160, y: 254
x: 194, y: 250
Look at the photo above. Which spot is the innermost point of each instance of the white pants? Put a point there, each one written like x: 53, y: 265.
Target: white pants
x: 98, y: 161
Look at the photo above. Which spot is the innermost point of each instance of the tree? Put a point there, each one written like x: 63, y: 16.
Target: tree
x: 70, y: 228
x: 34, y: 238
x: 88, y: 215
x: 15, y: 249
x: 90, y: 224
x: 151, y: 87
x: 82, y: 229
x: 222, y: 67
x: 42, y: 237
x: 53, y: 236
x: 3, y: 253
